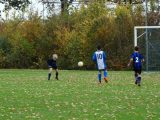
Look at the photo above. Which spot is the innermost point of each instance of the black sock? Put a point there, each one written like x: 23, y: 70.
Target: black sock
x: 49, y: 75
x: 136, y: 78
x: 57, y: 75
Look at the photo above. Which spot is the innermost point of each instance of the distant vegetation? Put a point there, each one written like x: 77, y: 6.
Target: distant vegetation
x: 28, y: 43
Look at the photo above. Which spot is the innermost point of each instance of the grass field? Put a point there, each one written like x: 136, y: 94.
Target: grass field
x: 27, y: 95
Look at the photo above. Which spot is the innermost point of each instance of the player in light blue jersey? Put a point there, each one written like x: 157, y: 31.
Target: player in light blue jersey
x: 137, y: 59
x: 99, y: 57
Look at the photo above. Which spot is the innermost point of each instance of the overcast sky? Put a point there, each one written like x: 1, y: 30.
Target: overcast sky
x: 36, y: 6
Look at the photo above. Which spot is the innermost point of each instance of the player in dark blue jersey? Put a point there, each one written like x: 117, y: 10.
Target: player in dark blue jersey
x: 52, y: 65
x: 137, y: 59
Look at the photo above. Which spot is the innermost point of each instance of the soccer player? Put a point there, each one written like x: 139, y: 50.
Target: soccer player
x: 52, y: 65
x: 137, y: 59
x: 99, y: 57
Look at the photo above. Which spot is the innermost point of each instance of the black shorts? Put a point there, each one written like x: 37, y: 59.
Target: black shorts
x: 52, y: 66
x: 138, y: 71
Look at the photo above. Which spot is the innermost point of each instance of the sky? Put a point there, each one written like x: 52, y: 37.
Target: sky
x: 35, y: 5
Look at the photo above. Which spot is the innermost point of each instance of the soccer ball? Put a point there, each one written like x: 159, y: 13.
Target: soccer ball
x: 80, y: 63
x: 55, y: 56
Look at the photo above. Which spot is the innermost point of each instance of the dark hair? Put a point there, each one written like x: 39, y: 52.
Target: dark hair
x: 98, y: 47
x: 136, y: 48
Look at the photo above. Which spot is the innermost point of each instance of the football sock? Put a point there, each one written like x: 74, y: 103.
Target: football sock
x: 139, y: 79
x: 136, y: 78
x: 99, y: 77
x: 49, y: 75
x: 57, y: 75
x: 105, y: 74
x: 136, y: 81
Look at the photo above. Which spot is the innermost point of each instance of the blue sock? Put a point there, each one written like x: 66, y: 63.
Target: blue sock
x: 105, y: 74
x: 49, y: 75
x: 136, y: 78
x: 99, y: 77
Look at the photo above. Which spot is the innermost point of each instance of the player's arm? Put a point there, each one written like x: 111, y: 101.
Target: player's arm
x: 104, y: 56
x: 94, y: 57
x: 130, y: 61
x: 49, y: 62
x: 142, y: 58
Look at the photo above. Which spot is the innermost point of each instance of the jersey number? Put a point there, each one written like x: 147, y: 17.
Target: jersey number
x: 99, y: 56
x: 137, y: 59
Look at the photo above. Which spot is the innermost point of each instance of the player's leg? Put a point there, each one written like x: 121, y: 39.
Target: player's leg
x: 99, y: 76
x: 56, y: 69
x: 139, y: 78
x: 105, y: 75
x: 49, y: 73
x: 136, y: 76
x: 57, y: 74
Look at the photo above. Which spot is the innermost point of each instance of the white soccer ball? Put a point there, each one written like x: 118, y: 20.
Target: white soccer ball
x: 55, y: 56
x: 80, y: 63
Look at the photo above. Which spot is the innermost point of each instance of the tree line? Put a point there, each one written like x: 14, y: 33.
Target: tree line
x: 73, y: 35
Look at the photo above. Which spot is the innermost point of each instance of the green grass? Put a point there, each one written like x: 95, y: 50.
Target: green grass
x: 27, y: 94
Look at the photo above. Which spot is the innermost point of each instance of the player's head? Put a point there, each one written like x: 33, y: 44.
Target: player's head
x: 54, y: 57
x: 136, y: 48
x: 98, y: 47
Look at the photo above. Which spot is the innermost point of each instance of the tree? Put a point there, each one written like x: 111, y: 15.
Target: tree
x: 16, y: 4
x: 64, y: 4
